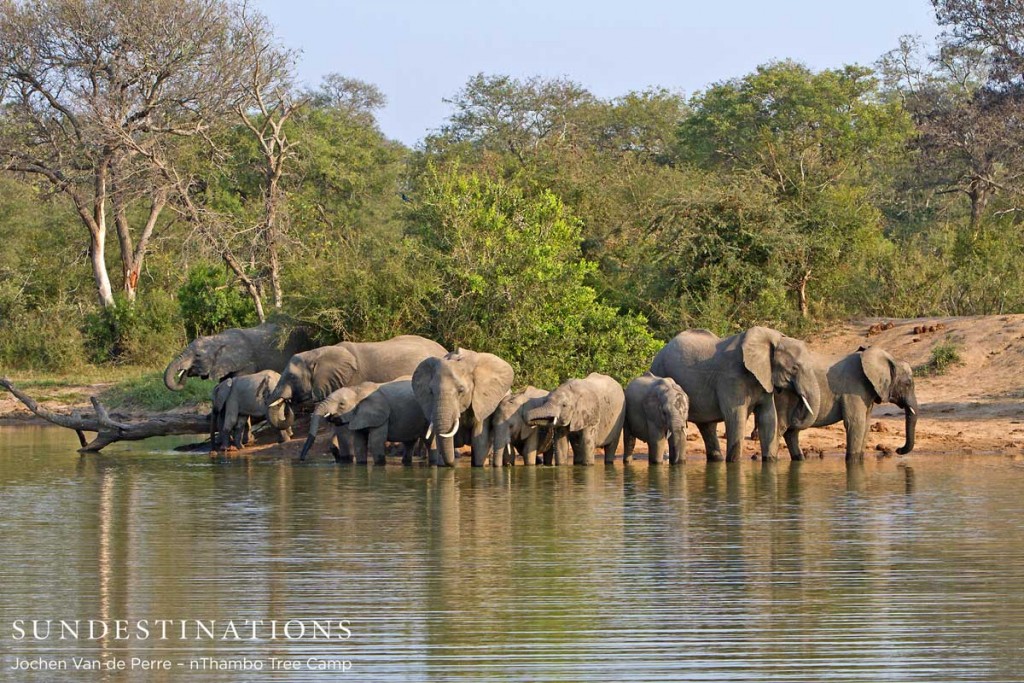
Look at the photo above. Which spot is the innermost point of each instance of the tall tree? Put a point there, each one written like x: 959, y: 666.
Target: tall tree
x: 90, y: 88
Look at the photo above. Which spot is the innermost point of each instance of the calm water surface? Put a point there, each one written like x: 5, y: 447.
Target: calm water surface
x: 900, y: 570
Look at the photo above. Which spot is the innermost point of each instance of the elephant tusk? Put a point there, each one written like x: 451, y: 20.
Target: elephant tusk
x: 508, y: 449
x: 277, y: 402
x: 328, y: 414
x: 430, y: 431
x: 807, y: 405
x: 912, y: 411
x: 181, y: 373
x: 451, y: 433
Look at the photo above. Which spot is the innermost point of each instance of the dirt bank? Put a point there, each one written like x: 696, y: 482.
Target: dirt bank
x: 974, y: 406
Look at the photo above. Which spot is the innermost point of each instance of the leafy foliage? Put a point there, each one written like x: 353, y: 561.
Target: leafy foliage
x: 210, y: 303
x: 512, y: 282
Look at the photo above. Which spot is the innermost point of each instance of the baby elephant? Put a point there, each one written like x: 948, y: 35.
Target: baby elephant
x: 656, y: 411
x: 245, y: 400
x: 588, y: 413
x: 331, y: 408
x: 511, y: 433
x: 391, y: 413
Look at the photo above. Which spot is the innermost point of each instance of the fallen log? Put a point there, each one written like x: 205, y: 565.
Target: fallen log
x: 107, y: 429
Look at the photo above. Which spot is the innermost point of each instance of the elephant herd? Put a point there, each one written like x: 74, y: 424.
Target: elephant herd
x: 412, y: 391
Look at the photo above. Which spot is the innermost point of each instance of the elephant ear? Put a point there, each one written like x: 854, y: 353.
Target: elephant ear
x: 220, y: 393
x: 372, y: 411
x: 879, y: 368
x: 332, y: 370
x: 422, y: 381
x: 584, y: 411
x: 492, y: 379
x: 758, y: 346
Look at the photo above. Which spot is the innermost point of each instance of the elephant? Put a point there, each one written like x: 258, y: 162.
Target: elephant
x: 338, y: 403
x: 236, y: 352
x: 218, y: 399
x: 463, y: 388
x: 511, y: 433
x: 850, y: 386
x: 656, y: 412
x: 246, y: 398
x: 727, y: 378
x: 391, y: 413
x: 587, y: 413
x: 315, y: 374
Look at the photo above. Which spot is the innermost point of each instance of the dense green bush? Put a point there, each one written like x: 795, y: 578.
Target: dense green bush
x: 511, y: 281
x: 209, y: 302
x: 143, y: 333
x: 46, y: 339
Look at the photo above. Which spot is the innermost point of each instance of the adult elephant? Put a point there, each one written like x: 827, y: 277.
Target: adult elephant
x: 236, y: 352
x: 315, y: 374
x: 850, y: 386
x: 726, y: 379
x: 463, y: 388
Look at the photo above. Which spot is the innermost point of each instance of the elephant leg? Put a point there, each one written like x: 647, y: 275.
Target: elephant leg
x: 562, y: 446
x: 583, y: 448
x: 530, y: 448
x: 481, y: 442
x: 735, y: 421
x: 284, y: 435
x: 376, y: 442
x: 768, y: 428
x: 359, y: 446
x: 655, y: 444
x: 408, y: 448
x: 856, y: 416
x: 628, y: 444
x: 346, y: 445
x: 228, y: 426
x: 792, y: 437
x: 612, y: 447
x: 709, y: 432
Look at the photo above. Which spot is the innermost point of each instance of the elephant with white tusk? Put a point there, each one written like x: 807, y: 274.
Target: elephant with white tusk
x: 461, y: 390
x: 244, y: 401
x: 330, y: 409
x: 849, y: 387
x: 315, y: 374
x: 726, y: 379
x: 587, y: 413
x: 236, y: 352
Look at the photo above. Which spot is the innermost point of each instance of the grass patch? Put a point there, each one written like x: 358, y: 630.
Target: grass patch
x: 945, y: 355
x: 148, y: 392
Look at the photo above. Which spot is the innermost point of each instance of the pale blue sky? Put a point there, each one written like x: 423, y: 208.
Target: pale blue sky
x: 421, y: 52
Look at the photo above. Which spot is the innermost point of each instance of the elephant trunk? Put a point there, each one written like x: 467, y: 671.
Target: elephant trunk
x: 808, y: 401
x: 910, y: 407
x: 314, y: 427
x: 445, y: 422
x: 278, y: 406
x: 174, y: 375
x: 501, y: 442
x: 543, y: 416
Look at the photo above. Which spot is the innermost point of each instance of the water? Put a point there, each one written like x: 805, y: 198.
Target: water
x: 900, y: 570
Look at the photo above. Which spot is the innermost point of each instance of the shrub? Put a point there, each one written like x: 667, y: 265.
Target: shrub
x: 141, y: 333
x: 512, y: 281
x: 210, y: 303
x: 945, y: 355
x: 44, y: 339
